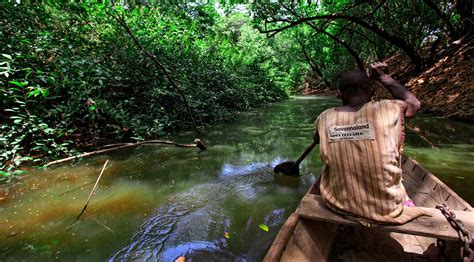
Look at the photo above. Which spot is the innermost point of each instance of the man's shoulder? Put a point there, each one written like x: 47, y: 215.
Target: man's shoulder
x: 391, y: 103
x: 390, y: 107
x: 325, y: 112
x: 321, y: 115
x: 388, y: 101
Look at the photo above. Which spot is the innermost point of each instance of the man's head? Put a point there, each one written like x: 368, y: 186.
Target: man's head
x: 355, y: 83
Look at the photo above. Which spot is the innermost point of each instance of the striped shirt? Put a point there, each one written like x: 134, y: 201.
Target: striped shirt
x: 361, y: 153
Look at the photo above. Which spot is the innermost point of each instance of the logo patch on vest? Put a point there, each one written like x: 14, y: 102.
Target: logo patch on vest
x: 361, y: 131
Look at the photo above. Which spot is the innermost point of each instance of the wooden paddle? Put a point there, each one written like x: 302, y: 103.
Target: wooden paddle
x: 291, y: 168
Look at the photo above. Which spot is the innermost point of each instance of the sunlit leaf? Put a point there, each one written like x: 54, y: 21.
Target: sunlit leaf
x: 263, y: 227
x: 20, y: 84
x: 49, y: 130
x: 36, y: 92
x: 227, y: 235
x: 19, y: 172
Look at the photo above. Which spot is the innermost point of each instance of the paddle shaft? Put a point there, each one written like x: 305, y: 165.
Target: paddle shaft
x: 305, y: 153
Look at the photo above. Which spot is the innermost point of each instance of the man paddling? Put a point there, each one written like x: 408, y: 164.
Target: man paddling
x: 360, y: 147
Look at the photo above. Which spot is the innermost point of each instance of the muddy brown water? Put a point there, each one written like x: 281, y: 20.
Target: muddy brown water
x: 159, y: 203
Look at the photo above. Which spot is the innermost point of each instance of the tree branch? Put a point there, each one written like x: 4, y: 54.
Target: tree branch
x: 392, y: 38
x: 91, y: 193
x: 197, y: 144
x: 445, y: 18
x: 313, y: 64
x: 168, y: 76
x: 349, y: 49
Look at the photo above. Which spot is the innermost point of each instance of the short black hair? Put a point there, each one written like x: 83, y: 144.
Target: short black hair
x: 354, y: 82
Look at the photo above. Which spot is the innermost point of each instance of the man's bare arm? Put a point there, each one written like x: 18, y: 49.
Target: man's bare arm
x: 398, y: 91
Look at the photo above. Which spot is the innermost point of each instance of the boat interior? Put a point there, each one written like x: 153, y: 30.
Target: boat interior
x: 315, y: 233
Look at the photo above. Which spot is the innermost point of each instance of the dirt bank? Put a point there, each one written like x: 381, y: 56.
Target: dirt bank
x: 445, y: 89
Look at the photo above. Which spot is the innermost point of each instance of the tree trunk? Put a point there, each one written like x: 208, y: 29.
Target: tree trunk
x: 449, y: 27
x: 314, y: 66
x: 401, y: 43
x: 349, y: 49
x: 464, y: 8
x: 409, y: 50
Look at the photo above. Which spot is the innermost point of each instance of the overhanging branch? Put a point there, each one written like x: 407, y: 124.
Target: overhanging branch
x: 394, y: 39
x: 168, y: 76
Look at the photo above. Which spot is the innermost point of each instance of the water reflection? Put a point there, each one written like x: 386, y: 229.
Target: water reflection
x: 435, y: 132
x: 231, y: 170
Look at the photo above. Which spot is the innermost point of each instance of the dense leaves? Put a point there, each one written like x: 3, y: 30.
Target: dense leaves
x: 69, y: 72
x: 365, y: 31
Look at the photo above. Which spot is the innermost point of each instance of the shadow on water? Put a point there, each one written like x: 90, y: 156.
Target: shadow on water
x: 159, y: 203
x: 446, y: 148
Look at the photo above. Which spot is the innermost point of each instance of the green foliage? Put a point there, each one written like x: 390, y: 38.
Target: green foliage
x: 263, y: 227
x: 23, y: 134
x: 70, y: 75
x: 337, y: 34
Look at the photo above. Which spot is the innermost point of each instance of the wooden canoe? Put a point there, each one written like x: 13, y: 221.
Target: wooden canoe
x: 314, y: 233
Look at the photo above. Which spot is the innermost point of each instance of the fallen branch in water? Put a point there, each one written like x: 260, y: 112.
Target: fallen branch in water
x: 112, y: 145
x: 74, y: 189
x: 93, y: 218
x: 197, y: 143
x: 99, y: 222
x: 92, y: 192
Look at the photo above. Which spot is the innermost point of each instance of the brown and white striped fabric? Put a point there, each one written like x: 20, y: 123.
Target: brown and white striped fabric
x: 361, y: 172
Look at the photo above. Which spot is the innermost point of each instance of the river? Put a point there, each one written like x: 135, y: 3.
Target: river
x: 159, y: 203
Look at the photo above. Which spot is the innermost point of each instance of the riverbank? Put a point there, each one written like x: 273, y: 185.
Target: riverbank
x: 446, y: 88
x: 73, y: 78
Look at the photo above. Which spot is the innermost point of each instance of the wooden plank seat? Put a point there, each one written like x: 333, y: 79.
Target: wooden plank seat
x: 435, y: 225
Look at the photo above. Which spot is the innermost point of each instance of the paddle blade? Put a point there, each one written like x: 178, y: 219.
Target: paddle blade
x: 287, y: 168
